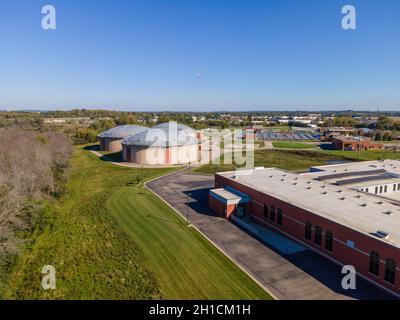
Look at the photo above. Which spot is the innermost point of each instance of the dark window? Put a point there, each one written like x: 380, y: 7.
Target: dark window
x: 390, y: 270
x: 374, y: 260
x: 329, y: 241
x: 318, y: 235
x: 398, y: 187
x: 385, y: 188
x: 380, y: 189
x: 366, y: 190
x: 265, y: 211
x: 394, y: 187
x: 308, y: 230
x: 272, y: 213
x: 376, y: 190
x: 279, y: 217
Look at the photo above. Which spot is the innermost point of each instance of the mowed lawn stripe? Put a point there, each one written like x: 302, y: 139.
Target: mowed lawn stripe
x: 186, y: 265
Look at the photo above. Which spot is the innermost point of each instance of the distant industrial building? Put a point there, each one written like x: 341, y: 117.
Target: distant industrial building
x: 355, y: 143
x: 111, y: 139
x: 349, y: 213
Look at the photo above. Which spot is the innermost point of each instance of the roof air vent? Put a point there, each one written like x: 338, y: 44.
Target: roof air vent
x: 380, y: 202
x: 308, y: 188
x: 382, y: 234
x: 389, y: 212
x: 324, y: 192
x: 364, y: 205
x: 342, y: 198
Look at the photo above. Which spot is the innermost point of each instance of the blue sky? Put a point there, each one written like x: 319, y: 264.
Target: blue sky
x: 200, y: 55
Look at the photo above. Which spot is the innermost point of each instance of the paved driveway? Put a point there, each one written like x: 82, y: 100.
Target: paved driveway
x: 303, y: 275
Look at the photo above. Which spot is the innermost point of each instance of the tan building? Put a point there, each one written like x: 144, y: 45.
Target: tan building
x: 110, y: 140
x: 164, y: 144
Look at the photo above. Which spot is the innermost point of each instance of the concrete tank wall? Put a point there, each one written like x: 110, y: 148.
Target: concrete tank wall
x: 160, y: 156
x: 110, y: 144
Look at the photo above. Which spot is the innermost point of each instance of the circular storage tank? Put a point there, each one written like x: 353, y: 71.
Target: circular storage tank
x: 165, y: 144
x: 110, y: 140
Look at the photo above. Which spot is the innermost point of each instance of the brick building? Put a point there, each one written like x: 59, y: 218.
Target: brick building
x: 353, y: 143
x: 349, y: 213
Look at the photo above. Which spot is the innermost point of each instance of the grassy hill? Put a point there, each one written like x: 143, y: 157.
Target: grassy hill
x: 108, y: 238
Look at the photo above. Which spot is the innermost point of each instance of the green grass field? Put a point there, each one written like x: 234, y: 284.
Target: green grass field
x: 292, y: 145
x: 109, y: 238
x: 367, y: 155
x: 285, y: 159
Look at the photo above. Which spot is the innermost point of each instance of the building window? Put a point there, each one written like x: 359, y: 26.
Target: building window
x: 318, y: 235
x: 272, y: 213
x: 386, y: 188
x: 398, y: 187
x: 329, y: 241
x: 390, y: 271
x: 266, y: 211
x: 374, y: 260
x: 380, y: 189
x: 394, y: 187
x: 308, y: 230
x: 366, y: 190
x: 376, y: 190
x: 279, y: 217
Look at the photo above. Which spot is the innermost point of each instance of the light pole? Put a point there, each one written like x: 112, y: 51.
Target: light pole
x: 187, y: 208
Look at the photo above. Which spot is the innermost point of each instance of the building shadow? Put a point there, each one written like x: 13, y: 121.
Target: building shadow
x: 93, y: 147
x: 323, y: 270
x: 198, y: 201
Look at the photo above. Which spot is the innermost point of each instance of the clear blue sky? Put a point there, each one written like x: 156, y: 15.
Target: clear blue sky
x: 200, y: 55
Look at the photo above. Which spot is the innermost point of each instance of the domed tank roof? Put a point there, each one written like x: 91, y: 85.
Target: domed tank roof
x: 122, y: 132
x: 179, y: 126
x: 164, y: 135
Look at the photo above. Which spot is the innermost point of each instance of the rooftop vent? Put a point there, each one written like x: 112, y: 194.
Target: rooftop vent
x: 308, y: 188
x: 380, y: 202
x: 308, y: 182
x: 324, y: 192
x: 271, y: 176
x: 282, y: 179
x: 382, y: 234
x: 357, y: 196
x: 364, y: 205
x: 340, y: 191
x: 295, y: 184
x: 342, y: 198
x: 389, y: 212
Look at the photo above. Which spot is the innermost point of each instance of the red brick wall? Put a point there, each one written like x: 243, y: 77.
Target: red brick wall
x: 219, y: 207
x: 294, y: 220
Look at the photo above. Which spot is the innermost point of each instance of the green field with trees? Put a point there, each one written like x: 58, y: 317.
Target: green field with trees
x: 109, y: 238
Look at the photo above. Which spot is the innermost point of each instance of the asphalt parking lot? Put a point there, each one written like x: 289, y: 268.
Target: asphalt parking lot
x: 301, y: 275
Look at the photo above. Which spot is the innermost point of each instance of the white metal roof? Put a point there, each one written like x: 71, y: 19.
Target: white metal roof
x: 364, y: 212
x: 122, y: 132
x: 163, y: 135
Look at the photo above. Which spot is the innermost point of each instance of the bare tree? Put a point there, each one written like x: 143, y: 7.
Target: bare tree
x: 32, y: 167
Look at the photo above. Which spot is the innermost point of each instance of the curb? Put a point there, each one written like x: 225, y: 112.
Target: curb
x: 204, y: 235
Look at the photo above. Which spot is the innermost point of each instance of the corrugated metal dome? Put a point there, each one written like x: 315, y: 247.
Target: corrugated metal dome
x: 164, y: 135
x: 179, y: 126
x: 122, y: 132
